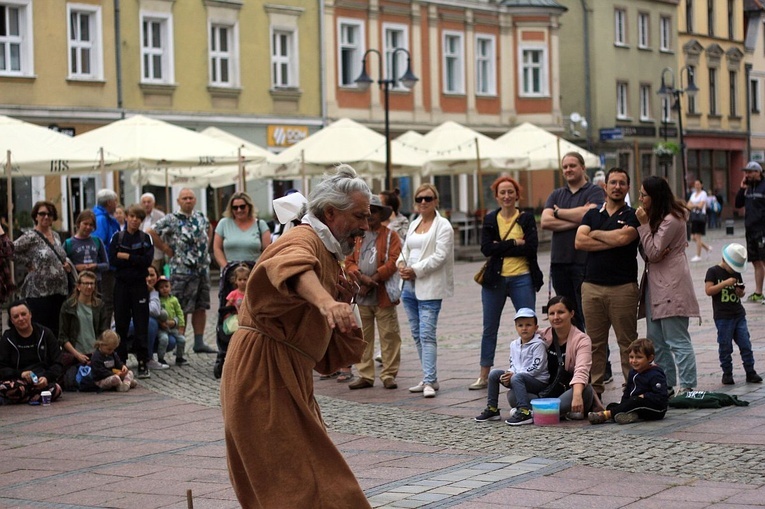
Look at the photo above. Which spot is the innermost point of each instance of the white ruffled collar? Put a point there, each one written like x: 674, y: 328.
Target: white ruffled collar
x: 325, y: 234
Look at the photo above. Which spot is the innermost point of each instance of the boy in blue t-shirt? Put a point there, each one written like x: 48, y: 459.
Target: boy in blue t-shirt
x: 724, y: 284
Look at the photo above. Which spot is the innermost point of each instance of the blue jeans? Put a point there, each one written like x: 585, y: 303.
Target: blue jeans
x: 521, y: 385
x: 520, y: 289
x: 567, y: 279
x: 423, y: 317
x: 673, y: 345
x: 728, y: 331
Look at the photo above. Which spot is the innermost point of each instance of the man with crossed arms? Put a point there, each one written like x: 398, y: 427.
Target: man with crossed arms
x: 610, y: 290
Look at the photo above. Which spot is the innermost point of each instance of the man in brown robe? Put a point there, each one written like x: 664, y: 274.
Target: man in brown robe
x: 295, y: 318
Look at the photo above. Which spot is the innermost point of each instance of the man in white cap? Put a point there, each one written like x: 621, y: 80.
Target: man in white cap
x: 751, y: 196
x: 724, y: 284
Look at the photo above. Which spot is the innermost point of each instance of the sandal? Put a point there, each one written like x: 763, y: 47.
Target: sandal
x: 344, y: 376
x: 331, y: 375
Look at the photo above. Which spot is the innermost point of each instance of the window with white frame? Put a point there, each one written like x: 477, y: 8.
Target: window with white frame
x: 396, y: 36
x: 755, y: 101
x: 157, y: 64
x: 533, y: 71
x: 666, y: 109
x: 283, y: 59
x: 644, y: 27
x: 85, y: 42
x: 350, y: 46
x: 454, y: 63
x: 712, y: 91
x: 665, y: 33
x: 645, y: 102
x: 224, y: 55
x: 16, y: 50
x: 485, y: 73
x: 622, y: 100
x: 733, y: 84
x: 620, y: 27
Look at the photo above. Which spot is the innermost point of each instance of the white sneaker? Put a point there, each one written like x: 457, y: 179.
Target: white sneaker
x: 378, y: 357
x: 420, y: 387
x: 428, y: 391
x: 123, y: 387
x: 696, y: 259
x: 152, y: 364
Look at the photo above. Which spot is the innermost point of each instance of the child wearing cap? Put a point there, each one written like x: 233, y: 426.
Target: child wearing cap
x: 645, y: 396
x: 527, y: 372
x: 724, y: 284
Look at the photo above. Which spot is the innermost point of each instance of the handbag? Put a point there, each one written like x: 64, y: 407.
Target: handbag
x: 698, y: 216
x: 562, y: 380
x: 478, y: 278
x: 393, y: 283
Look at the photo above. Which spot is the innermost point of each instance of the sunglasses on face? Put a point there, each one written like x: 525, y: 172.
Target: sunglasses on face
x: 44, y: 214
x: 238, y: 207
x: 426, y: 199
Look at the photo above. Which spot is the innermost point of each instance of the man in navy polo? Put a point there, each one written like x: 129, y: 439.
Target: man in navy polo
x: 610, y: 291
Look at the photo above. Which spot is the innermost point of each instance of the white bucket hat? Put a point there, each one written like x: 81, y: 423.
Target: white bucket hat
x: 735, y: 256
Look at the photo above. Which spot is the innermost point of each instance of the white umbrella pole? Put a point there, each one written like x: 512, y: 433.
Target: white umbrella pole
x: 10, y: 196
x: 302, y: 172
x: 102, y: 166
x: 242, y: 181
x: 480, y: 175
x: 557, y: 173
x: 69, y: 204
x: 167, y: 191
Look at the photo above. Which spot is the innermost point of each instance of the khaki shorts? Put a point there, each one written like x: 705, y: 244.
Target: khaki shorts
x: 192, y: 290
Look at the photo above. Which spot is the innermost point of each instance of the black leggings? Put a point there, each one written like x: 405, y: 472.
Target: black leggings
x: 645, y: 409
x: 131, y: 300
x: 45, y: 310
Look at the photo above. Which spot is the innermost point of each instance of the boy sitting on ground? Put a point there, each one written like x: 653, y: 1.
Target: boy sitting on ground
x: 527, y: 372
x: 645, y: 396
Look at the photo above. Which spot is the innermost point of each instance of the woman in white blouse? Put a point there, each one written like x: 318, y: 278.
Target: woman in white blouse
x: 426, y: 265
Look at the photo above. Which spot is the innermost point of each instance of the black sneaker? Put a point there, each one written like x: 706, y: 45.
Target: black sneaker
x: 753, y: 378
x: 143, y: 370
x: 180, y: 361
x: 520, y: 416
x: 488, y: 415
x: 727, y: 379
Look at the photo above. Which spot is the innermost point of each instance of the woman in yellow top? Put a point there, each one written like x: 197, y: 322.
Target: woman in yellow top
x: 509, y: 240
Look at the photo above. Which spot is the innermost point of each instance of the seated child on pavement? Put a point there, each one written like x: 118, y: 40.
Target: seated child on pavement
x: 527, y: 372
x: 724, y: 284
x: 106, y: 367
x: 645, y: 396
x: 174, y: 321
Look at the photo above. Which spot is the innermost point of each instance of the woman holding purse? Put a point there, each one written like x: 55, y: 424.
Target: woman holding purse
x: 509, y: 241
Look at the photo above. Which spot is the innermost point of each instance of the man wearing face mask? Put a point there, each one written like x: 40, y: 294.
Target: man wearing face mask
x: 297, y: 317
x: 751, y: 196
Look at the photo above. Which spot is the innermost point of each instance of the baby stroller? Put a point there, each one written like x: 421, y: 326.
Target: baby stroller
x: 222, y: 336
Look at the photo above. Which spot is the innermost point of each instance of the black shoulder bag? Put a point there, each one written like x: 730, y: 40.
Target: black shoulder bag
x: 562, y: 380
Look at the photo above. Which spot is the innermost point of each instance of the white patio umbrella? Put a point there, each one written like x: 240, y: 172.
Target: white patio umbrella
x: 143, y: 142
x: 453, y: 148
x: 214, y: 176
x: 543, y: 149
x: 33, y: 150
x: 343, y: 141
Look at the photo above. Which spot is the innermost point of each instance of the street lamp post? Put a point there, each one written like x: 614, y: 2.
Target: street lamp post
x: 364, y: 81
x: 668, y: 90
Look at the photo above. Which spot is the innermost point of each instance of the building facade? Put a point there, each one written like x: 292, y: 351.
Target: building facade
x: 754, y: 63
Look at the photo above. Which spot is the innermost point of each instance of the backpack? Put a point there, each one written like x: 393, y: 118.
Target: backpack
x: 68, y: 245
x: 715, y: 206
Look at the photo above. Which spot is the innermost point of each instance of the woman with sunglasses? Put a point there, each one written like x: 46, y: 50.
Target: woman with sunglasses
x: 41, y: 252
x: 240, y: 236
x: 426, y: 265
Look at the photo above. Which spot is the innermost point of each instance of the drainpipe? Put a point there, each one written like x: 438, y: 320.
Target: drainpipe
x: 747, y: 72
x: 587, y: 93
x: 118, y: 55
x: 323, y: 63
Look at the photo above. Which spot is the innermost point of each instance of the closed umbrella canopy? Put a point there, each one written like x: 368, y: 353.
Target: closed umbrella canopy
x: 343, y: 141
x: 143, y: 142
x: 35, y: 150
x: 541, y: 147
x: 453, y: 148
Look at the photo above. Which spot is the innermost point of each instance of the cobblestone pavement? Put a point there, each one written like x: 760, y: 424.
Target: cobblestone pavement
x: 408, y: 451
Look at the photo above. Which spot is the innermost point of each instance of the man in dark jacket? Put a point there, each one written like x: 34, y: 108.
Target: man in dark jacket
x: 751, y: 196
x: 30, y: 359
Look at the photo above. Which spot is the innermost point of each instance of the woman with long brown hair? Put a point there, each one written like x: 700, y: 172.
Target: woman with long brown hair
x: 669, y: 300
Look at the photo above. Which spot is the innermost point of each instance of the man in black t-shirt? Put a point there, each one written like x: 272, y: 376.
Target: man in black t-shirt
x: 610, y: 290
x: 562, y: 215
